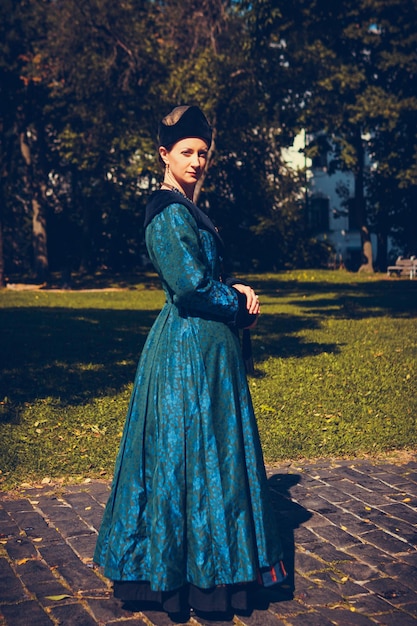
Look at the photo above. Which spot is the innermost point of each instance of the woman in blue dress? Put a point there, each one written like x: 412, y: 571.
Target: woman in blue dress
x: 188, y: 522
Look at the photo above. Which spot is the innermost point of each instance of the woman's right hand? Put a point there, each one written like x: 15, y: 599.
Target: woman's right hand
x: 252, y: 300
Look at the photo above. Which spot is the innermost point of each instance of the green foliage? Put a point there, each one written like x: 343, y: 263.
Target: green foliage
x: 110, y: 71
x: 334, y: 355
x: 85, y: 84
x: 355, y: 65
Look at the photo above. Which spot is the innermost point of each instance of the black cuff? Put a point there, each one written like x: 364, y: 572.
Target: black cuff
x: 243, y: 318
x: 230, y: 280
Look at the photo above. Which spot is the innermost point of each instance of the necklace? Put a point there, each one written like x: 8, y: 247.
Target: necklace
x: 172, y: 188
x: 202, y: 219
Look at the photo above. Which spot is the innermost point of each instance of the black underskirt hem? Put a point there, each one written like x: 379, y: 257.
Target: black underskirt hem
x: 215, y: 600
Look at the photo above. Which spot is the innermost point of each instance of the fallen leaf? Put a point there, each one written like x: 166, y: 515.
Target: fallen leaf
x: 57, y: 598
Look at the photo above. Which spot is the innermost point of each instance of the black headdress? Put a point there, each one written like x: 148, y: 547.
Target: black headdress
x: 190, y: 122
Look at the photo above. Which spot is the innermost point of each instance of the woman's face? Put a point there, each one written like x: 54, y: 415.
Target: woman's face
x: 186, y: 160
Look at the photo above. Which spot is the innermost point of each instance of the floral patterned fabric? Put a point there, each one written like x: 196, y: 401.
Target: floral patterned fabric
x: 189, y: 501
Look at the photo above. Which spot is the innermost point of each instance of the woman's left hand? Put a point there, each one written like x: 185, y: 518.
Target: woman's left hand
x: 252, y: 300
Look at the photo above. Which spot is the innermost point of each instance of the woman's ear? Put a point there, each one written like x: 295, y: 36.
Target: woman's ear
x: 163, y: 153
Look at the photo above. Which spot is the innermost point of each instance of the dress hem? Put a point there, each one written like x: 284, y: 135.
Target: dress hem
x: 219, y: 599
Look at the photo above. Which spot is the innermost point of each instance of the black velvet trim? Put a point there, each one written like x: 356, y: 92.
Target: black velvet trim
x: 162, y: 198
x: 216, y: 599
x: 230, y: 281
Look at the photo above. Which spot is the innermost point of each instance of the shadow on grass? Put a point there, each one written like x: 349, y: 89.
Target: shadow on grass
x: 74, y: 355
x: 279, y: 337
x: 280, y: 334
x: 71, y: 355
x: 396, y: 297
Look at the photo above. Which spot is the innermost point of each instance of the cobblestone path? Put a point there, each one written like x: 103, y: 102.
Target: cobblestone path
x: 349, y: 530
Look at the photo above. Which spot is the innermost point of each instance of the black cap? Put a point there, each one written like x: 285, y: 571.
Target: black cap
x: 186, y: 121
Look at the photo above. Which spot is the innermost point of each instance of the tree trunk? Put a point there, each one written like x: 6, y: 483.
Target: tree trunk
x: 83, y: 205
x: 360, y: 205
x: 2, y: 276
x: 382, y: 252
x: 39, y: 236
x: 39, y: 240
x: 367, y: 265
x: 410, y: 224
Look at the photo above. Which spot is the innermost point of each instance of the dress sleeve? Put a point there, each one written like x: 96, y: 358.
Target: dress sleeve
x: 175, y: 249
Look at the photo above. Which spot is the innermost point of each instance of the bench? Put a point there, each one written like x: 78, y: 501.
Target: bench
x: 404, y: 267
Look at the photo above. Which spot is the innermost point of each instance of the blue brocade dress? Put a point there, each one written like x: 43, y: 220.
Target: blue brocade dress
x: 189, y: 506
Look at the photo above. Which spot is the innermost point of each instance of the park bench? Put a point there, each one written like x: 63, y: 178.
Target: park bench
x: 404, y: 267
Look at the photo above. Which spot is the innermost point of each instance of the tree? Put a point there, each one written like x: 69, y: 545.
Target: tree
x: 102, y: 74
x: 337, y: 67
x: 12, y: 47
x: 97, y: 78
x: 353, y: 65
x: 23, y: 155
x: 212, y: 63
x: 390, y: 103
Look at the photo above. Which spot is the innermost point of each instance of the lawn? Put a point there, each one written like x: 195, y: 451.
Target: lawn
x: 335, y: 357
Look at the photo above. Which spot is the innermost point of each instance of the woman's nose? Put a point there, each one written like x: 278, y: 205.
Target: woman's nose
x: 195, y: 161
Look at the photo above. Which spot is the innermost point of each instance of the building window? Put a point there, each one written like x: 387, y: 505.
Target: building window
x: 319, y: 214
x: 319, y: 150
x: 319, y: 160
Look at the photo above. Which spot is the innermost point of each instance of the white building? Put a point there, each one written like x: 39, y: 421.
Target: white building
x: 327, y: 201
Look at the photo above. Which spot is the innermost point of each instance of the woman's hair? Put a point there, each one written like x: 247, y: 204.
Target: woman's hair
x: 175, y: 115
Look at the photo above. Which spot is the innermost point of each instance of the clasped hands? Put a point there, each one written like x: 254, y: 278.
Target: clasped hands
x: 252, y: 300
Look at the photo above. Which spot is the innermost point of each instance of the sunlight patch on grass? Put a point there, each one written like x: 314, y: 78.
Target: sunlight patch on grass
x: 85, y: 367
x: 334, y: 352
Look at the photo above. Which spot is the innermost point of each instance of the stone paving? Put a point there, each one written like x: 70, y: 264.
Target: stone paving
x: 349, y: 531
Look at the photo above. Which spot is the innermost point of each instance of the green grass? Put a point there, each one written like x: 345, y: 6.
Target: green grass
x: 335, y: 357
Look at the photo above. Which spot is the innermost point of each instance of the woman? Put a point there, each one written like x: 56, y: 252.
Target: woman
x: 188, y: 522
